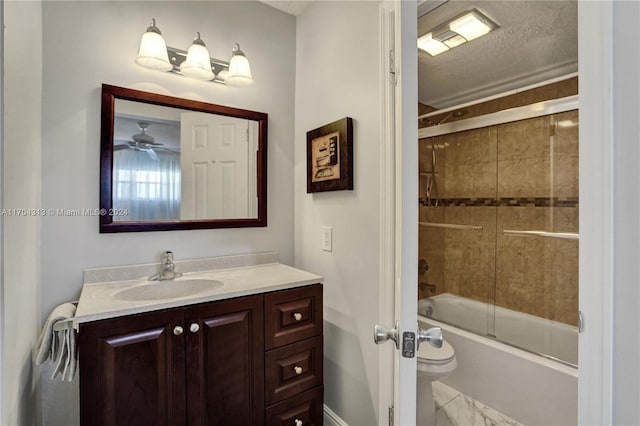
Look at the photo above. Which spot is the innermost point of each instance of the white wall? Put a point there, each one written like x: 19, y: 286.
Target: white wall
x: 86, y: 44
x: 626, y: 208
x: 21, y: 189
x: 337, y: 75
x: 90, y: 43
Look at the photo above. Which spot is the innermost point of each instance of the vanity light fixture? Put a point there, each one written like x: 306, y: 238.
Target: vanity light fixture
x: 239, y: 71
x: 194, y: 63
x: 153, y: 50
x: 461, y: 29
x: 197, y: 65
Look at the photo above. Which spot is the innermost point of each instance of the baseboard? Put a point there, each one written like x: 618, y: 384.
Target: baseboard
x: 332, y: 419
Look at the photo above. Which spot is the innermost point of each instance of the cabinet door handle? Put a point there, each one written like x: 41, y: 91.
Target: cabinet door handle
x: 194, y: 327
x: 177, y: 330
x: 297, y: 422
x: 297, y: 316
x: 297, y: 369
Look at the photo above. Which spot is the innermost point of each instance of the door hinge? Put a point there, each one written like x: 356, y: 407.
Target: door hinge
x: 391, y: 416
x: 392, y: 67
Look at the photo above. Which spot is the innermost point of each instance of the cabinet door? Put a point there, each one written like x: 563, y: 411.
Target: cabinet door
x: 132, y: 371
x: 225, y: 363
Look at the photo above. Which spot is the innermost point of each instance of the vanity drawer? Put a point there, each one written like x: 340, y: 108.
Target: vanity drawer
x: 292, y: 369
x: 292, y: 315
x: 304, y: 409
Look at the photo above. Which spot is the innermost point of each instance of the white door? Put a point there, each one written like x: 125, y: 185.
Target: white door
x: 399, y: 171
x: 217, y: 165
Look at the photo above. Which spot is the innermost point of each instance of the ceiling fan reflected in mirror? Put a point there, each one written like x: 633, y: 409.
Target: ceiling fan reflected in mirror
x: 143, y: 142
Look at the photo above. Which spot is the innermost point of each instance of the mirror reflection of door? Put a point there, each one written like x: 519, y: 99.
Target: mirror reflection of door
x: 218, y: 163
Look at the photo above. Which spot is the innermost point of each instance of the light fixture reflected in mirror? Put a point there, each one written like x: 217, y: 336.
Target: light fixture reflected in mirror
x: 156, y: 55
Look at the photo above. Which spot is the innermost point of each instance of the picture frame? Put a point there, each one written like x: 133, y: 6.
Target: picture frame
x: 330, y: 157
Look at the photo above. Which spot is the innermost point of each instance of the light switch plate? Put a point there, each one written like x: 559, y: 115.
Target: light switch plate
x: 327, y: 238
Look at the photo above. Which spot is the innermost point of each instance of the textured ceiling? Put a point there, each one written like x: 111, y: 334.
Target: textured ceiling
x: 536, y: 41
x: 292, y: 7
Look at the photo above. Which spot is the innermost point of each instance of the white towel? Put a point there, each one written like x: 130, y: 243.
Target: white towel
x: 58, y: 346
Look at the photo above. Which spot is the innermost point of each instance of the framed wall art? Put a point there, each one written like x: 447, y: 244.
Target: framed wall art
x: 330, y: 157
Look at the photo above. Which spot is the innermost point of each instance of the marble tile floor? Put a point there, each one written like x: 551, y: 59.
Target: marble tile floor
x: 456, y: 409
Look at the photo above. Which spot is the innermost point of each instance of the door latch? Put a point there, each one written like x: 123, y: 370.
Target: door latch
x: 408, y: 344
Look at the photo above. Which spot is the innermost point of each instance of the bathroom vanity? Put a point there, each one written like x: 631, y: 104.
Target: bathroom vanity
x: 248, y: 352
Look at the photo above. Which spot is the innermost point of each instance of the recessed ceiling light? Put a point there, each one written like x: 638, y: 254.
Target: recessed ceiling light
x: 461, y: 29
x: 454, y: 41
x: 471, y: 25
x: 431, y: 46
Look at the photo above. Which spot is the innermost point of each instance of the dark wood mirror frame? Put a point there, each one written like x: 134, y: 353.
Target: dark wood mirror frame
x: 108, y: 225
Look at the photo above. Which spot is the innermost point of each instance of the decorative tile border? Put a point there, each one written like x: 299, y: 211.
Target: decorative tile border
x: 504, y: 202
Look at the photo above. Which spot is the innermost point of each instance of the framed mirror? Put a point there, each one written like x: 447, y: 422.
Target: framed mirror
x: 170, y: 163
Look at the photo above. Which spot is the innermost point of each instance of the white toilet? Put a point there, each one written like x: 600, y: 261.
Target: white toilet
x: 433, y: 364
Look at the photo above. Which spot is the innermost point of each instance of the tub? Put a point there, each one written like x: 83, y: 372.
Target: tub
x: 532, y: 389
x: 542, y: 336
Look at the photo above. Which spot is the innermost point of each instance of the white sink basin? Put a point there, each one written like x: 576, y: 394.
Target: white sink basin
x: 169, y: 289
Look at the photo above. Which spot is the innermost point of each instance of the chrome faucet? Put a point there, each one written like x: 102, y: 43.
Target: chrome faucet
x: 167, y: 268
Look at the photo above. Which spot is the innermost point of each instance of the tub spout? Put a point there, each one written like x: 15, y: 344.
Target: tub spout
x: 432, y: 287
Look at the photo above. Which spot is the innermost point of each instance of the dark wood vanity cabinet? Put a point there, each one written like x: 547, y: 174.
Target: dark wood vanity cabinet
x: 224, y: 359
x: 293, y: 356
x: 242, y: 361
x: 198, y: 365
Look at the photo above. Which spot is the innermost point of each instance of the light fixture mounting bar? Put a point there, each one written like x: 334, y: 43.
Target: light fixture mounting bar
x: 177, y: 56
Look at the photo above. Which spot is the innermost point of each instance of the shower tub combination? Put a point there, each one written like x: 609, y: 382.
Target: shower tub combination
x: 523, y: 365
x: 531, y: 388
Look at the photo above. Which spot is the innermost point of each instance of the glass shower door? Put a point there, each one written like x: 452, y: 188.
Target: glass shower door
x: 499, y: 229
x: 458, y: 227
x: 537, y: 240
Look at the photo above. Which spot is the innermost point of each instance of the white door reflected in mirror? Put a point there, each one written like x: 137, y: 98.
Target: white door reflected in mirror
x: 218, y: 164
x: 169, y: 164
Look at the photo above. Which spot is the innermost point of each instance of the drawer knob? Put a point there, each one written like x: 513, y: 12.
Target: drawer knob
x: 194, y: 327
x: 297, y: 422
x: 297, y: 369
x: 297, y: 316
x: 177, y: 330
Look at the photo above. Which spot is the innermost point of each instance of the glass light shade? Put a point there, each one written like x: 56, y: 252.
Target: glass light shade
x: 198, y: 63
x: 222, y: 75
x: 470, y: 26
x: 153, y: 52
x: 430, y: 45
x: 239, y: 70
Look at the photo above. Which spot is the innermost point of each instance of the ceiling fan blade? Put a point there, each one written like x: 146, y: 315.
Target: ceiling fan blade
x: 176, y: 150
x: 120, y: 147
x: 152, y: 154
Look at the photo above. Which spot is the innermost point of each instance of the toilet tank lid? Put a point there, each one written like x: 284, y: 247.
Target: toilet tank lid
x: 429, y: 353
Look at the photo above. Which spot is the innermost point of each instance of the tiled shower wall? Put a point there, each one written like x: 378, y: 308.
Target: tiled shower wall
x: 515, y: 176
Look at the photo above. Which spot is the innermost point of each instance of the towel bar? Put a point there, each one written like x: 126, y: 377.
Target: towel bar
x: 66, y: 324
x: 451, y: 226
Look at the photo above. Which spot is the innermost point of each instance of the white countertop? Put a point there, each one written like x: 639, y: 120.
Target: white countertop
x: 97, y: 299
